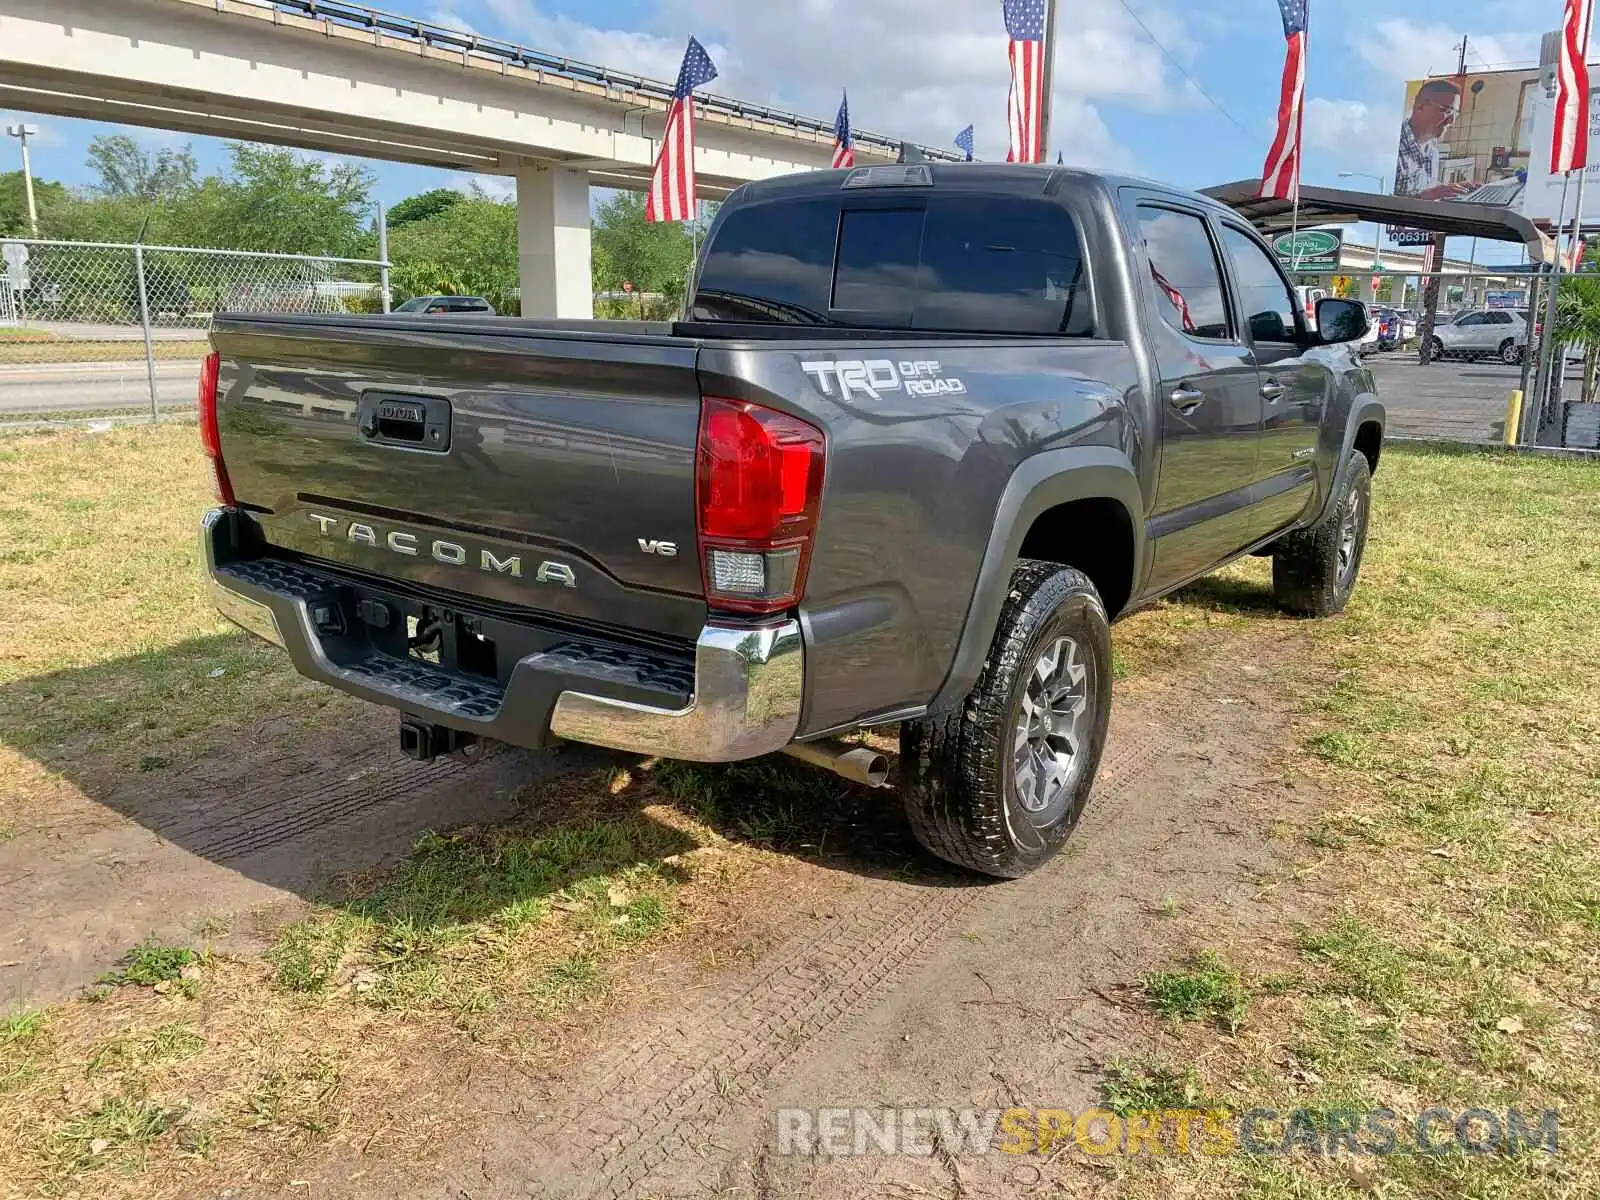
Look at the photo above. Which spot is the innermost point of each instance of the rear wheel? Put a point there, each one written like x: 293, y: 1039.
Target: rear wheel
x: 1510, y: 352
x: 1314, y: 570
x: 999, y: 784
x: 1437, y: 352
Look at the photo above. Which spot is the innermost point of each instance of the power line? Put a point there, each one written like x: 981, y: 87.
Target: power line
x: 1182, y: 70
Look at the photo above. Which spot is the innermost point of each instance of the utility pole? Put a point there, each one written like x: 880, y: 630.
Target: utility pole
x: 22, y: 133
x: 1049, y: 76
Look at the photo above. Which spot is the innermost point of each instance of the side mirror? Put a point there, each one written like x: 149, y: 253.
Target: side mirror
x: 1340, y: 321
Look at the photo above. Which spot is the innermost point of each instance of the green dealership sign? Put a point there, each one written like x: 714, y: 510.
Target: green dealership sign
x: 1310, y: 249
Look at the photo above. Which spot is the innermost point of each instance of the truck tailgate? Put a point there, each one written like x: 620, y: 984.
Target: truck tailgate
x: 518, y: 464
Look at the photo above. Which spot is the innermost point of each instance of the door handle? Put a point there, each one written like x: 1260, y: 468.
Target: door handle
x: 1272, y: 391
x: 1187, y: 399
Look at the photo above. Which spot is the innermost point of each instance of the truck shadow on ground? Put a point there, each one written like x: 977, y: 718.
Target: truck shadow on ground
x: 293, y: 786
x: 217, y: 749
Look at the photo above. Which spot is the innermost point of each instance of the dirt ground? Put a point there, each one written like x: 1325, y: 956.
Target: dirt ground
x: 841, y: 982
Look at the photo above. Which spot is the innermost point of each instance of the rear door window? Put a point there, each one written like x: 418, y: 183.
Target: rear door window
x: 1185, y: 278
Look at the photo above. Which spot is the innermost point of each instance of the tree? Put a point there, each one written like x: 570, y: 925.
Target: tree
x: 47, y: 196
x: 125, y: 168
x: 276, y: 199
x: 468, y: 248
x: 1578, y: 320
x: 422, y: 206
x: 652, y: 256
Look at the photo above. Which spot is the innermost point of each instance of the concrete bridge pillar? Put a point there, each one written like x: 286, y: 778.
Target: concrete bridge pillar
x: 553, y: 242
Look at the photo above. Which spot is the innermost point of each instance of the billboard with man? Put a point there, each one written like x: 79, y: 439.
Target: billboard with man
x: 1465, y: 137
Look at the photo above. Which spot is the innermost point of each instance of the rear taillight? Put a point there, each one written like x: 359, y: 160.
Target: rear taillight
x: 210, y: 436
x: 758, y: 483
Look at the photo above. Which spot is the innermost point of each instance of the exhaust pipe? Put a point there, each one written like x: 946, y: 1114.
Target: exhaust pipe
x: 858, y: 764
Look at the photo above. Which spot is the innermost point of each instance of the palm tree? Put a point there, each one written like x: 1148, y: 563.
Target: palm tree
x: 1578, y: 320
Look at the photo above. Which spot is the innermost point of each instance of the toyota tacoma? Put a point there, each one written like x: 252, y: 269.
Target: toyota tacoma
x: 924, y: 431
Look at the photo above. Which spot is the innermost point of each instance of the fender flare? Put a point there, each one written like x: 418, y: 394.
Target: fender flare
x: 1363, y: 409
x: 1039, y: 483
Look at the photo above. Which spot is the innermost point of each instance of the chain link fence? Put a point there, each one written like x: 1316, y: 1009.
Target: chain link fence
x: 92, y: 330
x: 1484, y: 346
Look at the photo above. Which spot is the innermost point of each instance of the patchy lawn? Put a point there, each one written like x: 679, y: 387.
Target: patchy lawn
x: 36, y: 346
x: 1440, y: 922
x: 1441, y: 940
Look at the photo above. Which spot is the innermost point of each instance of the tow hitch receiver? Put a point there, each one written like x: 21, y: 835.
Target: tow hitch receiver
x: 425, y: 741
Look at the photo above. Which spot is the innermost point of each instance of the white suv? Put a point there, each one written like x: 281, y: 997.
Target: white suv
x: 1483, y: 333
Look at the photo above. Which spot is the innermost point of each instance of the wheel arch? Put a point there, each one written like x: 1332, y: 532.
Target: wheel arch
x: 1081, y: 507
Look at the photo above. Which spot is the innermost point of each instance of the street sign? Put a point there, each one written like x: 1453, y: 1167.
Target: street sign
x: 1310, y: 249
x: 16, y: 256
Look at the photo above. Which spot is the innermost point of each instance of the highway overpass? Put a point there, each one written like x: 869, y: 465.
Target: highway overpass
x: 331, y: 76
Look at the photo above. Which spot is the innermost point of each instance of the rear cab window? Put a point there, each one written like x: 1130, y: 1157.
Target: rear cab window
x: 957, y: 262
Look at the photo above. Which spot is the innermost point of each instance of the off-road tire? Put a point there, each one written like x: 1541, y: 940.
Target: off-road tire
x: 958, y: 775
x: 1307, y: 578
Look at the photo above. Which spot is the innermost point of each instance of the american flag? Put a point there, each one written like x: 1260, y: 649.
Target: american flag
x: 1025, y: 109
x: 964, y: 142
x: 672, y: 184
x: 844, y: 146
x: 1280, y: 178
x: 1570, y: 149
x: 1175, y: 297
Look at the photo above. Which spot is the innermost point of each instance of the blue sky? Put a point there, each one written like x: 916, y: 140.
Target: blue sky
x: 1196, y: 109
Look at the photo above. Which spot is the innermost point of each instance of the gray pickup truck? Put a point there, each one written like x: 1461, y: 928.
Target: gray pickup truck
x: 924, y: 432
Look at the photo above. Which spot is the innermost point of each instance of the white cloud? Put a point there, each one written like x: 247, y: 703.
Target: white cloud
x: 1356, y: 136
x: 621, y: 49
x: 1401, y: 49
x: 946, y: 68
x: 496, y: 187
x: 450, y: 19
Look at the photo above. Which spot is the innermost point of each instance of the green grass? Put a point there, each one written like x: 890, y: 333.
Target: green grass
x: 110, y: 653
x: 1149, y: 1085
x: 48, y: 349
x: 1450, y: 720
x: 472, y: 920
x: 1209, y: 989
x: 150, y: 964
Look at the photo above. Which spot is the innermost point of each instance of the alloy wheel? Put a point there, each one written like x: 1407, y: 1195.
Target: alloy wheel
x: 1054, y: 720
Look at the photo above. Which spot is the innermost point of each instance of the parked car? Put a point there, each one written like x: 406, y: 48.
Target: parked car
x: 1370, y: 339
x: 900, y: 466
x: 1483, y: 333
x: 1308, y: 304
x: 1389, y: 325
x: 447, y: 304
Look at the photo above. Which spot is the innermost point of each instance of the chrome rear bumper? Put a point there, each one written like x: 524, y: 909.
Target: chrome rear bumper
x: 747, y: 690
x: 744, y: 702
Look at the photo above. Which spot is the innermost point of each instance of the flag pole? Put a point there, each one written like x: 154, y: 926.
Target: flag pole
x: 1049, y: 75
x: 1550, y: 353
x: 1299, y: 144
x: 1583, y: 172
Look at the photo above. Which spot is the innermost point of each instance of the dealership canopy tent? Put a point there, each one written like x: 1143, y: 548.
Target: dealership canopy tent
x: 1335, y: 206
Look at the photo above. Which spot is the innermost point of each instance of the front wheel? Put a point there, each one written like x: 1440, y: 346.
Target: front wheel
x: 1314, y: 570
x: 999, y: 784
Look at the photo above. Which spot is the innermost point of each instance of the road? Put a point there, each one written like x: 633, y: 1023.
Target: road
x: 78, y: 387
